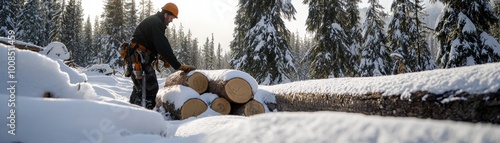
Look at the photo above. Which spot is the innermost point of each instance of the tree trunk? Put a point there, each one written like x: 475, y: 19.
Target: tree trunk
x: 221, y: 106
x: 451, y: 105
x: 191, y: 108
x: 196, y: 80
x: 235, y: 90
x: 250, y: 108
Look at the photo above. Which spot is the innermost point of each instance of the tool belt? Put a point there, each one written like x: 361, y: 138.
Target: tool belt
x: 135, y: 56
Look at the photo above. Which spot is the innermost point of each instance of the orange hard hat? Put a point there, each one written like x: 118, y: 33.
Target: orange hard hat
x: 171, y: 7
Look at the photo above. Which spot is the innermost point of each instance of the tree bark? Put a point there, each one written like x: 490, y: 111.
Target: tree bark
x: 221, y: 106
x: 250, y: 108
x: 196, y: 81
x: 450, y: 105
x: 235, y: 90
x: 191, y: 108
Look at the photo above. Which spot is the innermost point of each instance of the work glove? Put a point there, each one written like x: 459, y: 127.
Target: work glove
x: 187, y: 68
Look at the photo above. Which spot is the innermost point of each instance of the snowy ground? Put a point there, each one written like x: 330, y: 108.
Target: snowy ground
x: 97, y: 110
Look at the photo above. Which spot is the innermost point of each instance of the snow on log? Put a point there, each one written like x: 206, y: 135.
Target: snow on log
x: 250, y: 108
x: 453, y: 106
x: 228, y: 74
x: 193, y: 79
x: 180, y: 101
x: 462, y: 94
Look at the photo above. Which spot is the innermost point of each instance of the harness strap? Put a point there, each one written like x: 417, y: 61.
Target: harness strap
x: 140, y: 47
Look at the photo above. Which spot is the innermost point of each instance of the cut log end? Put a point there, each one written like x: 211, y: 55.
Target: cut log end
x: 221, y: 106
x: 238, y: 90
x: 253, y: 107
x: 198, y: 82
x: 248, y: 109
x: 192, y: 108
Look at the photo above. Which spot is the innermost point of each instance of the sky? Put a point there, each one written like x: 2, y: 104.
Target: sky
x: 205, y: 18
x: 92, y: 107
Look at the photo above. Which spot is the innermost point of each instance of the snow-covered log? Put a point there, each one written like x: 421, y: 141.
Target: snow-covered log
x: 236, y: 90
x: 250, y: 108
x: 451, y: 105
x: 462, y: 94
x: 193, y: 79
x: 234, y: 85
x: 180, y: 101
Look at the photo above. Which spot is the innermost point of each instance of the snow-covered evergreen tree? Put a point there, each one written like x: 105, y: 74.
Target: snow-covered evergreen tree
x: 261, y: 41
x: 463, y: 34
x: 208, y: 55
x: 399, y: 36
x: 97, y: 42
x: 131, y: 19
x: 87, y: 40
x: 196, y: 53
x: 71, y: 28
x: 331, y: 55
x: 51, y: 11
x: 11, y: 17
x: 495, y: 28
x: 420, y: 33
x: 219, y: 62
x: 353, y: 31
x: 375, y: 60
x: 183, y: 53
x: 113, y: 28
x: 4, y: 5
x: 191, y: 55
x: 32, y: 23
x: 145, y: 9
x: 407, y: 33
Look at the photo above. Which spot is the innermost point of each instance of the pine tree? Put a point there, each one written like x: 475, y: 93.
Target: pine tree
x: 131, y: 18
x: 400, y: 38
x: 375, y: 60
x: 145, y: 9
x: 463, y: 34
x: 4, y: 5
x: 183, y: 53
x: 32, y: 23
x: 51, y: 12
x: 495, y: 28
x: 331, y: 56
x: 87, y: 40
x: 218, y: 63
x: 114, y: 35
x: 97, y: 43
x: 420, y: 33
x: 11, y: 16
x: 407, y: 35
x: 208, y: 62
x: 196, y: 53
x: 261, y: 42
x: 71, y: 29
x: 353, y: 31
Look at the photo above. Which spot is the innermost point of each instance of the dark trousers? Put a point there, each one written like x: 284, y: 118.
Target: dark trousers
x: 151, y: 88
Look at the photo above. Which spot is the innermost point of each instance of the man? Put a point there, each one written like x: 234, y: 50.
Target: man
x: 149, y: 38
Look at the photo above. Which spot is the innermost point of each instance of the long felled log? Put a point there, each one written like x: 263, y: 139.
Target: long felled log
x: 195, y: 80
x: 221, y: 106
x: 450, y: 105
x: 235, y: 90
x: 252, y: 107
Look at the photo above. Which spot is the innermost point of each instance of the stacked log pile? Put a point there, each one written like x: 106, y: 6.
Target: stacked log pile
x: 223, y: 91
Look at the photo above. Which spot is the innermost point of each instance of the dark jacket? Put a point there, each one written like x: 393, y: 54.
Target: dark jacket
x: 151, y: 34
